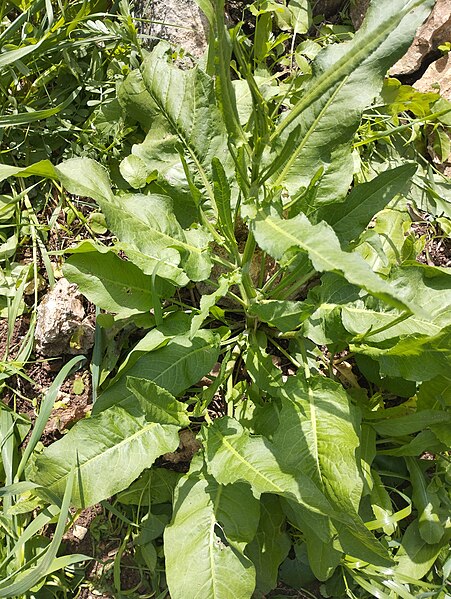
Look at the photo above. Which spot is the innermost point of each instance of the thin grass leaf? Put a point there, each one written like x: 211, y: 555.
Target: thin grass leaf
x: 45, y: 411
x: 24, y: 118
x: 31, y: 578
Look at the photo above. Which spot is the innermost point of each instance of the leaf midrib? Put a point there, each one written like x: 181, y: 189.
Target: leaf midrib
x: 171, y: 241
x: 142, y: 431
x: 250, y: 466
x: 345, y: 66
x: 382, y: 315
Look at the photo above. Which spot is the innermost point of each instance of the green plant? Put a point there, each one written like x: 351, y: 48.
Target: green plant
x: 28, y: 558
x: 314, y: 369
x: 59, y: 65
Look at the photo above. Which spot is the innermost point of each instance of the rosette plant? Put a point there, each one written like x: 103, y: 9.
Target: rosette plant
x: 283, y: 310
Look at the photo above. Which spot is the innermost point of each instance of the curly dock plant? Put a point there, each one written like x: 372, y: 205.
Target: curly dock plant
x: 309, y: 321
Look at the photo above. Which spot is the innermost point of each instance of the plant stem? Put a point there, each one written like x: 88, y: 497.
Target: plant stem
x: 246, y: 261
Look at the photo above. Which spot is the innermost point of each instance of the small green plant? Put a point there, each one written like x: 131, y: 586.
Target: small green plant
x: 29, y: 558
x: 313, y: 370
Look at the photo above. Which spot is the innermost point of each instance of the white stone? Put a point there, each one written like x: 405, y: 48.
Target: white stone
x: 437, y: 78
x: 435, y: 31
x: 180, y: 22
x: 61, y: 326
x: 79, y: 532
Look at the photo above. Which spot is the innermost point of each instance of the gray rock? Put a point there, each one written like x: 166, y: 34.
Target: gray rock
x: 180, y: 22
x: 437, y: 78
x: 61, y: 325
x: 435, y: 31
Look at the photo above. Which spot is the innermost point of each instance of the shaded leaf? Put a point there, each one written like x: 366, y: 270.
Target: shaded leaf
x: 175, y: 367
x: 351, y: 217
x: 426, y: 503
x: 270, y: 545
x: 415, y: 358
x: 276, y: 236
x: 310, y: 413
x: 113, y: 284
x: 415, y: 557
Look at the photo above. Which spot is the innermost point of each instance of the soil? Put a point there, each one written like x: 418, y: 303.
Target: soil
x: 437, y: 251
x: 21, y: 327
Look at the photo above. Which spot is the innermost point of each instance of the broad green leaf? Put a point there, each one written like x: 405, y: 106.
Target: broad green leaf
x: 435, y: 394
x: 86, y: 178
x: 109, y: 451
x: 301, y: 15
x: 317, y: 436
x: 175, y: 367
x: 157, y: 160
x: 426, y: 503
x: 317, y: 132
x: 415, y: 557
x: 113, y: 284
x: 418, y: 285
x: 232, y: 456
x: 324, y: 325
x: 270, y: 545
x: 135, y: 171
x: 187, y: 101
x: 324, y: 556
x: 201, y: 558
x: 136, y: 100
x: 161, y: 406
x: 411, y: 423
x: 351, y: 217
x: 147, y: 224
x: 415, y: 358
x: 174, y: 324
x: 284, y: 315
x: 276, y: 236
x: 44, y: 168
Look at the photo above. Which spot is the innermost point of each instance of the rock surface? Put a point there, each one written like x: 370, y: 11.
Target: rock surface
x: 62, y: 326
x: 435, y: 31
x: 437, y: 78
x: 180, y: 22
